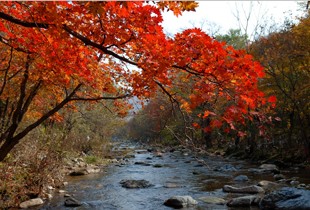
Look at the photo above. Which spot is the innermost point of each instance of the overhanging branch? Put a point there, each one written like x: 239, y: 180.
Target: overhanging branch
x: 22, y: 23
x: 82, y: 38
x: 100, y: 98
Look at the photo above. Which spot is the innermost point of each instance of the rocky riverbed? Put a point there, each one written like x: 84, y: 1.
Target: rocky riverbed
x: 162, y: 179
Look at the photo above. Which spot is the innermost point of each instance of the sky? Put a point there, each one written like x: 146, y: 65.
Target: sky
x: 221, y: 15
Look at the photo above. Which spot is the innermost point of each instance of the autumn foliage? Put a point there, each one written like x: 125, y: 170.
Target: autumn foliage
x: 55, y: 53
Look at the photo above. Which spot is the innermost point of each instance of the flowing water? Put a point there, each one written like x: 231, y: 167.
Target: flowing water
x: 182, y: 171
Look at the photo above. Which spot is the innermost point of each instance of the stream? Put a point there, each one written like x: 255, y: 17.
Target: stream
x: 176, y: 173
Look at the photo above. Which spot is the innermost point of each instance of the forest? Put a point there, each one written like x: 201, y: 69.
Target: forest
x: 75, y: 77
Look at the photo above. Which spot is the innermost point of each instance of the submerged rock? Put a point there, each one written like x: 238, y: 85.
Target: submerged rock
x: 180, y: 201
x: 196, y: 173
x: 226, y: 168
x: 135, y: 183
x: 244, y: 201
x: 172, y: 185
x: 253, y: 189
x: 142, y: 163
x: 72, y: 202
x: 157, y: 166
x: 213, y: 200
x: 31, y: 203
x: 241, y: 178
x: 287, y: 198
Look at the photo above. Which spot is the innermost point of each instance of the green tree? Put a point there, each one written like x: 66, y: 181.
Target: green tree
x: 235, y: 38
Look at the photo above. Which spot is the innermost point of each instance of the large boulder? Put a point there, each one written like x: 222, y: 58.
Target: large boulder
x: 30, y: 203
x: 180, y: 201
x: 135, y: 183
x: 253, y: 189
x: 287, y: 198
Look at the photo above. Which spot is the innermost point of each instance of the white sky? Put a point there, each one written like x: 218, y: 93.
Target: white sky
x: 221, y: 13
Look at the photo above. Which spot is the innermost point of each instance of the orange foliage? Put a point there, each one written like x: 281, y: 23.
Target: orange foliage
x: 115, y: 48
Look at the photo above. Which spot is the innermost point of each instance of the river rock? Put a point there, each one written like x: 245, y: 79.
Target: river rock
x: 142, y: 151
x: 257, y: 171
x: 157, y: 166
x: 91, y: 169
x: 180, y: 201
x: 244, y: 201
x: 278, y: 177
x: 294, y: 183
x: 172, y: 150
x: 213, y: 200
x: 150, y: 150
x: 135, y: 183
x: 158, y: 154
x: 268, y: 185
x: 114, y: 160
x: 253, y: 189
x: 287, y: 198
x: 171, y: 185
x: 142, y: 163
x: 196, y: 173
x: 226, y: 168
x: 241, y: 178
x: 129, y: 156
x: 78, y: 172
x: 269, y: 167
x: 72, y: 202
x: 302, y: 185
x: 31, y: 203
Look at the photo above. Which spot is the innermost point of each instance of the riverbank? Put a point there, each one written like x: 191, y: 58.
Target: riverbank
x: 148, y: 177
x: 207, y: 172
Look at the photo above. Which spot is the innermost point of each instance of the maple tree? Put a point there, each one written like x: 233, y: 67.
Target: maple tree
x: 54, y: 53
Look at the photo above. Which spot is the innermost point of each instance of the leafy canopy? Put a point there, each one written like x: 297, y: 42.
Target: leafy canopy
x: 108, y: 50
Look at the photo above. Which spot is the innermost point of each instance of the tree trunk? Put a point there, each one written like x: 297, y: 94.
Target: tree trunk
x: 6, y: 147
x: 206, y: 135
